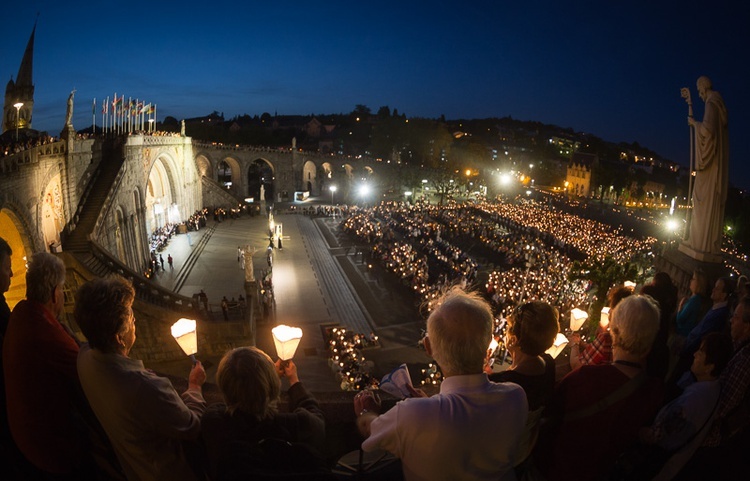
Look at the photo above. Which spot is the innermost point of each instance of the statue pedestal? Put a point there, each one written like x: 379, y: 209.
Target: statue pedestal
x: 700, y: 256
x: 68, y: 132
x: 680, y: 266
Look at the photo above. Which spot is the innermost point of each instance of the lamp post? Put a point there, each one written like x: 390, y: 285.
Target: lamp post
x: 333, y: 190
x: 18, y: 106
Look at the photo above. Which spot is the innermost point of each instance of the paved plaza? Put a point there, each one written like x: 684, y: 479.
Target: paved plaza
x: 320, y: 279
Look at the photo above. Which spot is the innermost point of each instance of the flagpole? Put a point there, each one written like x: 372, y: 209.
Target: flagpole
x: 93, y: 115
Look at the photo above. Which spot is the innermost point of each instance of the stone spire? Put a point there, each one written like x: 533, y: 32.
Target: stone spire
x: 22, y: 90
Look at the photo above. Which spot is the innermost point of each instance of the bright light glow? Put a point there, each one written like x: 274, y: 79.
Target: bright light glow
x: 286, y: 339
x: 408, y: 193
x: 184, y: 333
x: 332, y: 188
x: 577, y: 318
x: 249, y: 200
x: 364, y: 190
x: 560, y: 342
x: 468, y: 172
x: 672, y: 224
x: 424, y: 181
x: 505, y: 179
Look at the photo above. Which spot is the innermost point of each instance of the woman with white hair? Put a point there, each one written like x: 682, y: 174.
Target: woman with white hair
x: 599, y: 409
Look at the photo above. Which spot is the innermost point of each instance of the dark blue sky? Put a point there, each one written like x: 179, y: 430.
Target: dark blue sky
x: 610, y: 68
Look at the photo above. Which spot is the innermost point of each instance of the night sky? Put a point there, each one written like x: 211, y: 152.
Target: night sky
x: 613, y: 68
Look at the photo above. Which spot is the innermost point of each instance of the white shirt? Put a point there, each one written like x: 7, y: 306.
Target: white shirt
x: 469, y: 431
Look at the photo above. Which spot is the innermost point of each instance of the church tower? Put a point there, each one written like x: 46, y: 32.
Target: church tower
x: 20, y: 91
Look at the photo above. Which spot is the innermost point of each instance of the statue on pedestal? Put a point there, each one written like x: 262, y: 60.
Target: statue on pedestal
x: 249, y: 273
x: 710, y: 168
x: 69, y: 113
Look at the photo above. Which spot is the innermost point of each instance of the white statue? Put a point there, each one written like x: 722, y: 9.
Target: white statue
x: 248, y: 257
x: 69, y: 113
x: 711, y: 149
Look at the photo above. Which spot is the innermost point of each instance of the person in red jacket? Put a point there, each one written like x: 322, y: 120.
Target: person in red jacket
x: 39, y: 362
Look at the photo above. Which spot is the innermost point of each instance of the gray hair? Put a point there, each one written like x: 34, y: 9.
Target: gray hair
x: 46, y: 271
x: 459, y: 330
x: 634, y: 324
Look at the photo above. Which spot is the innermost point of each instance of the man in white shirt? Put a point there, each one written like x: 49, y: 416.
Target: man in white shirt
x: 471, y: 429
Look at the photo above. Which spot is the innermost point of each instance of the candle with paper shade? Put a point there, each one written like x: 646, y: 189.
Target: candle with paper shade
x: 560, y: 342
x: 604, y: 320
x: 286, y: 339
x: 184, y: 333
x: 629, y: 284
x: 577, y: 318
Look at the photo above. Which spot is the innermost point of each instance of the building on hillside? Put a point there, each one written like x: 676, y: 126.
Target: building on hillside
x: 565, y: 146
x: 578, y: 175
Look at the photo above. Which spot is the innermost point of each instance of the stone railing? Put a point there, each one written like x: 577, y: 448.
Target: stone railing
x: 13, y: 162
x: 145, y: 289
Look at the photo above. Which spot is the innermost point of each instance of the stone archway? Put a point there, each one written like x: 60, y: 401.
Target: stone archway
x: 309, y: 177
x: 14, y: 234
x: 160, y: 196
x: 203, y: 165
x: 260, y: 180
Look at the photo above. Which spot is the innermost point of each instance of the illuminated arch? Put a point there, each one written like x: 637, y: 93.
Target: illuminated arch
x: 161, y: 195
x: 309, y: 176
x: 18, y: 239
x: 203, y: 165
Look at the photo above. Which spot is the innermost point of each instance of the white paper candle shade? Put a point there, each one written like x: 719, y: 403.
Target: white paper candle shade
x: 630, y: 284
x: 493, y: 345
x: 560, y: 342
x: 577, y: 318
x: 604, y: 320
x: 184, y: 333
x: 286, y: 339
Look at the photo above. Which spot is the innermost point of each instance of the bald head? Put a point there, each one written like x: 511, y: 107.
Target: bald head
x: 459, y: 331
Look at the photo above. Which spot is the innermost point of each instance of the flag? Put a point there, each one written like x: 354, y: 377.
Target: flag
x: 151, y: 110
x: 145, y: 109
x: 117, y: 101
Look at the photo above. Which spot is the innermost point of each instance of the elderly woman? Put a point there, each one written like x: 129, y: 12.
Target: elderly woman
x: 531, y: 331
x: 149, y: 424
x: 599, y: 409
x: 248, y: 435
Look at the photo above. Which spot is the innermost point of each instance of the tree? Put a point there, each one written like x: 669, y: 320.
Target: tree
x: 603, y: 275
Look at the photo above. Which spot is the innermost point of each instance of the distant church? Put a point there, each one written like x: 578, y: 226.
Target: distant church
x: 19, y: 96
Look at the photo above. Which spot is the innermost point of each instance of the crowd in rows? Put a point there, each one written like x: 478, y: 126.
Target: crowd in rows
x: 14, y: 147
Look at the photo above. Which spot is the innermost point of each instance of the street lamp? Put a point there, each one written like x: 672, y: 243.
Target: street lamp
x: 18, y: 106
x: 333, y: 189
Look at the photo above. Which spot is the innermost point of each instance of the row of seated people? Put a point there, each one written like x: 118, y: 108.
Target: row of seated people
x: 132, y: 424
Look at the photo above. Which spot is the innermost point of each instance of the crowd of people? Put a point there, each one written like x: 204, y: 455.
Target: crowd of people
x: 10, y: 148
x: 664, y: 382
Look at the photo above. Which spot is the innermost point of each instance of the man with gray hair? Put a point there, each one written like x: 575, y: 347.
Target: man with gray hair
x: 472, y: 428
x: 39, y: 362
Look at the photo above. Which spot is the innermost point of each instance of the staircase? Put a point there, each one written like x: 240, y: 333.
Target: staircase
x: 100, y: 263
x: 93, y: 199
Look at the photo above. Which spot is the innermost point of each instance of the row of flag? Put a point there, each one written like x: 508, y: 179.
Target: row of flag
x: 120, y: 116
